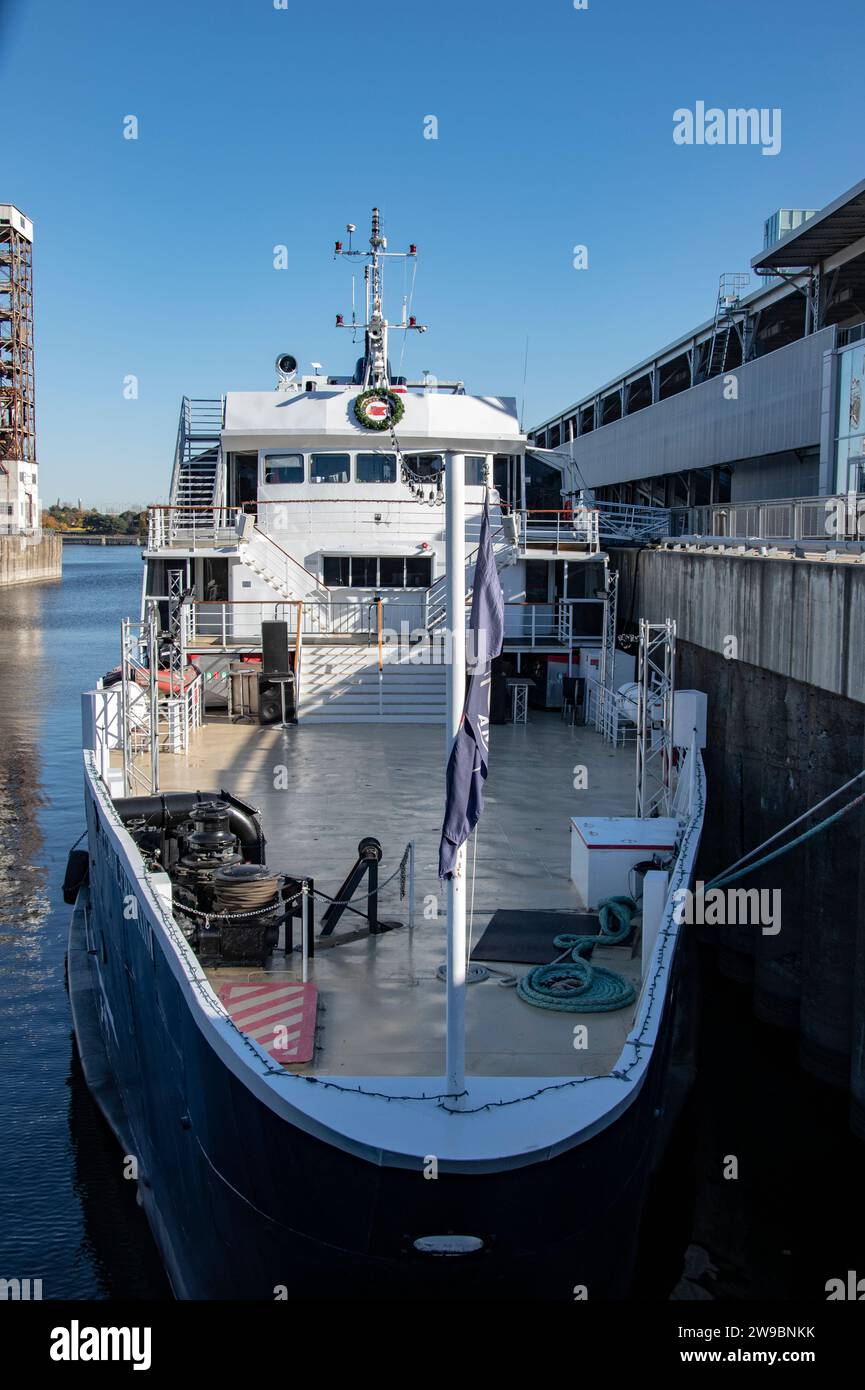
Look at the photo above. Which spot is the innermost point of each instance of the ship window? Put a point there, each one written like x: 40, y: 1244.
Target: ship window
x: 283, y: 468
x: 476, y: 470
x: 377, y: 572
x: 336, y: 570
x: 425, y: 466
x: 329, y: 468
x: 392, y: 572
x: 376, y: 468
x: 363, y: 571
x: 418, y: 572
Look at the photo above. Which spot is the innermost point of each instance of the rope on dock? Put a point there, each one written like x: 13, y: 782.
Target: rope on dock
x: 571, y: 983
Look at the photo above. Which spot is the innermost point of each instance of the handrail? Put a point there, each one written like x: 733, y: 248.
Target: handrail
x: 378, y: 605
x: 320, y: 584
x: 847, y: 508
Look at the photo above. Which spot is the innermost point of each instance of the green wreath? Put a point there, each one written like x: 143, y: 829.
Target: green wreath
x: 379, y: 393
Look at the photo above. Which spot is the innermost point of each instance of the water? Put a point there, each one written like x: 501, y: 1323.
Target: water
x: 67, y: 1216
x: 791, y: 1221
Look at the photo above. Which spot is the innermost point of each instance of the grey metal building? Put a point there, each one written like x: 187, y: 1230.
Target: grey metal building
x: 764, y: 400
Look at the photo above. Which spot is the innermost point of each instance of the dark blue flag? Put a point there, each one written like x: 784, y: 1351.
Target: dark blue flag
x: 468, y: 762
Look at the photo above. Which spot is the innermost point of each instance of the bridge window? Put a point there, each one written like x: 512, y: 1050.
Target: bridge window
x: 329, y: 468
x: 476, y: 470
x: 376, y: 468
x: 377, y: 571
x: 427, y: 467
x: 281, y: 469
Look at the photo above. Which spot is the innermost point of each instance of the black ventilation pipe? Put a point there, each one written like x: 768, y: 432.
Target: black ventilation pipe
x: 169, y: 808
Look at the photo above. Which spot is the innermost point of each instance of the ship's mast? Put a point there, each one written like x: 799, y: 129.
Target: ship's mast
x: 375, y: 325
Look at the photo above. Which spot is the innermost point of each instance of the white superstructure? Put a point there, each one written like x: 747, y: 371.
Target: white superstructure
x: 321, y: 502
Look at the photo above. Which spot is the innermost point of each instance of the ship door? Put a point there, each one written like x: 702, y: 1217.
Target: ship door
x: 213, y: 580
x: 243, y: 482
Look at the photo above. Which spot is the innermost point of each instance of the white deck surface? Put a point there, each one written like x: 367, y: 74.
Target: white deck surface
x: 382, y: 1011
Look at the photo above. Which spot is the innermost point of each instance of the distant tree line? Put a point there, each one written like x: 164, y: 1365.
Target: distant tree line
x: 63, y: 517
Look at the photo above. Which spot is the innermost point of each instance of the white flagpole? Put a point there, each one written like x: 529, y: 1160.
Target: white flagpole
x: 455, y: 549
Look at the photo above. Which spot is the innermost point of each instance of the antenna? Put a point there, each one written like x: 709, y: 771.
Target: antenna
x: 375, y: 325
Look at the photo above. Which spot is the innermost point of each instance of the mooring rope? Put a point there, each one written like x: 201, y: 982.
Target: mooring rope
x: 571, y: 983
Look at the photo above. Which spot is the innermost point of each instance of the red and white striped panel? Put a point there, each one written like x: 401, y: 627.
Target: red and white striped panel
x: 280, y: 1017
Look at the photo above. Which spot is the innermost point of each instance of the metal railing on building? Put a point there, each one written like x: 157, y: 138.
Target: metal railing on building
x: 840, y: 517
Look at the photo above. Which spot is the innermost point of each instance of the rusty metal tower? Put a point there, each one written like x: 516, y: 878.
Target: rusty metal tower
x: 17, y: 381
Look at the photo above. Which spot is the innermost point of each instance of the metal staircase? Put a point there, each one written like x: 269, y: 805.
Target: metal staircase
x: 345, y: 685
x: 505, y: 553
x: 266, y: 558
x: 196, y: 482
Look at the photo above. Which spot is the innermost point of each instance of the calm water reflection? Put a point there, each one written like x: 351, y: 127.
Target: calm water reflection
x: 66, y: 1214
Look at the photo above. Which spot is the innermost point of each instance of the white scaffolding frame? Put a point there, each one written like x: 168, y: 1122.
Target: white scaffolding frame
x: 656, y: 688
x: 604, y: 702
x: 139, y: 703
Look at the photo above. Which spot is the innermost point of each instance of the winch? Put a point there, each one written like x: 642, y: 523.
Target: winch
x: 232, y: 908
x: 210, y: 845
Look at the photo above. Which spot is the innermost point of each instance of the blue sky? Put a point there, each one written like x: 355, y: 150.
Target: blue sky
x: 261, y: 126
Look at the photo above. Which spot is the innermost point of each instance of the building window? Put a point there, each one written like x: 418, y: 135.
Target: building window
x: 377, y: 571
x: 329, y: 468
x: 850, y: 436
x: 376, y: 468
x: 281, y: 469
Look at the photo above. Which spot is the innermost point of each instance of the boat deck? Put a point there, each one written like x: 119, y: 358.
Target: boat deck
x: 381, y: 1007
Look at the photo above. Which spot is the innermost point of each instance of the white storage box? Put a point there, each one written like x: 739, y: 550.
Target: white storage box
x: 604, y: 849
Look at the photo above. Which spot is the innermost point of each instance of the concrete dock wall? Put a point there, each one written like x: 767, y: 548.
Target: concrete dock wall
x: 801, y: 619
x: 27, y: 559
x: 786, y: 728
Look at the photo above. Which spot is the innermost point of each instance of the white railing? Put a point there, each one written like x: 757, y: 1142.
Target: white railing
x: 613, y: 715
x: 840, y: 517
x: 545, y: 624
x: 189, y: 527
x: 560, y: 530
x: 180, y: 716
x: 232, y: 624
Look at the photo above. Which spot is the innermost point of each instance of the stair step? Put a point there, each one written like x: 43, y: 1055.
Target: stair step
x: 370, y: 719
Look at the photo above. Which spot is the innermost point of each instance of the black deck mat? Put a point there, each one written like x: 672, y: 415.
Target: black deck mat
x: 526, y: 938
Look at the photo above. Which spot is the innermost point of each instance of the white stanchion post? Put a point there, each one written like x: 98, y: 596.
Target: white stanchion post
x: 455, y: 539
x: 305, y: 932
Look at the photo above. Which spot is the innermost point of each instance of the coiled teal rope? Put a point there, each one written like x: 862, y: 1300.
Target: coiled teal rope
x: 575, y: 985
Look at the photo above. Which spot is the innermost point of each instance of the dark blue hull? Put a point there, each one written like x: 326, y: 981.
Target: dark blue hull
x: 245, y: 1205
